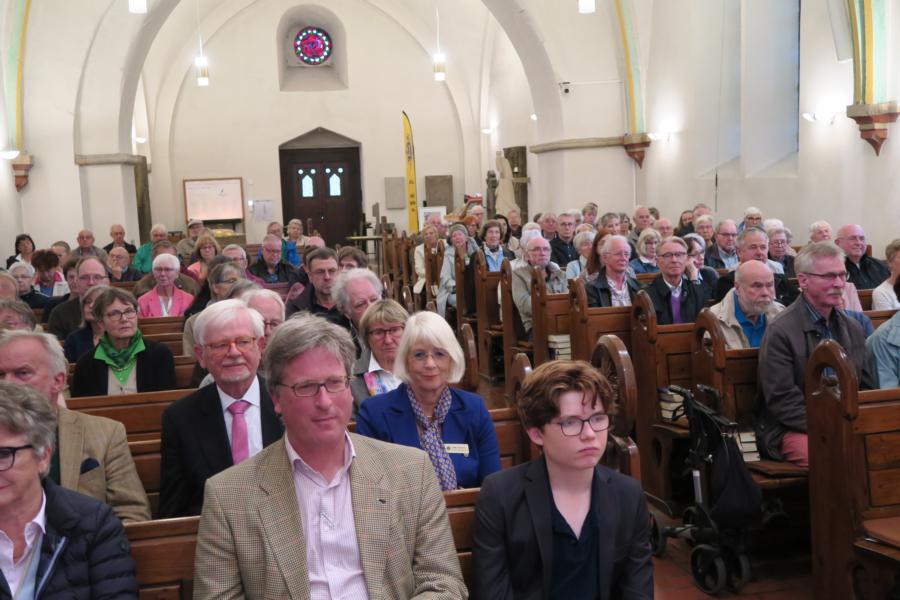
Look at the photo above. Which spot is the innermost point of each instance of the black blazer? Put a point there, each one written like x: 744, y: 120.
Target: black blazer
x: 694, y: 297
x: 785, y: 291
x: 155, y: 371
x: 513, y: 536
x: 195, y: 447
x: 598, y: 293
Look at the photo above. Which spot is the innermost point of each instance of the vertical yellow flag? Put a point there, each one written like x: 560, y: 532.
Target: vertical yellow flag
x: 412, y: 202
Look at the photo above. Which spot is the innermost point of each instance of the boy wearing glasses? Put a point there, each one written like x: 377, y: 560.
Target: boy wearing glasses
x: 562, y: 525
x: 780, y: 418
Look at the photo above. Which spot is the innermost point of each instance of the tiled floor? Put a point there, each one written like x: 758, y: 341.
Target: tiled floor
x: 785, y: 575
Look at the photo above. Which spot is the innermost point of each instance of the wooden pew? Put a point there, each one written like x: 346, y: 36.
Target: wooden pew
x: 163, y: 553
x: 140, y: 413
x: 388, y: 286
x: 878, y: 317
x: 515, y: 340
x: 854, y: 480
x: 661, y: 356
x: 487, y: 311
x: 128, y: 286
x: 174, y: 341
x: 462, y: 305
x: 147, y: 458
x: 159, y: 325
x: 733, y: 374
x: 612, y: 359
x: 550, y: 316
x: 470, y: 352
x: 184, y: 371
x: 587, y: 325
x: 865, y: 299
x: 433, y: 264
x: 407, y: 300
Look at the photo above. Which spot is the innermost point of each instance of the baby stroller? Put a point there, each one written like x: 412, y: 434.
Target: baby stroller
x: 726, y: 500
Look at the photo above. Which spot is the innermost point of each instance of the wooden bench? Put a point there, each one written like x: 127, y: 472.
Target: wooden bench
x: 173, y: 341
x: 865, y: 299
x: 462, y: 298
x: 158, y: 325
x: 128, y: 286
x: 184, y: 371
x: 733, y: 374
x: 611, y: 358
x: 549, y: 316
x: 140, y: 413
x: 878, y: 317
x: 433, y: 264
x: 587, y: 325
x: 470, y: 353
x: 515, y: 339
x: 854, y: 480
x: 661, y: 357
x: 487, y: 312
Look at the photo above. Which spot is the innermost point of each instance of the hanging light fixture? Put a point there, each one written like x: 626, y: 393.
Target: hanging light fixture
x: 137, y: 7
x: 587, y: 7
x: 200, y: 61
x: 440, y: 59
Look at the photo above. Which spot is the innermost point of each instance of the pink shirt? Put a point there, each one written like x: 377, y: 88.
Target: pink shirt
x: 34, y: 530
x: 326, y: 514
x: 149, y: 304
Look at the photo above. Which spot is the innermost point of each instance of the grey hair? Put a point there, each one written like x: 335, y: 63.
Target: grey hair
x: 258, y: 292
x: 166, y: 260
x: 724, y: 222
x: 56, y: 360
x: 772, y: 223
x: 106, y: 299
x: 430, y: 328
x: 575, y: 214
x: 339, y: 290
x: 21, y: 309
x: 809, y: 253
x: 890, y: 251
x: 217, y: 315
x: 750, y: 231
x: 606, y: 248
x: 775, y: 231
x: 299, y: 334
x: 752, y: 210
x: 673, y: 239
x: 697, y: 239
x: 605, y: 219
x: 645, y: 235
x: 703, y: 219
x: 19, y: 264
x: 584, y: 236
x: 817, y: 224
x: 235, y: 247
x: 159, y: 227
x: 24, y: 411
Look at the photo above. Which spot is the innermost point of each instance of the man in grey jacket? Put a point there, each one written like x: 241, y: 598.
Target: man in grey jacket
x: 788, y: 343
x: 537, y: 253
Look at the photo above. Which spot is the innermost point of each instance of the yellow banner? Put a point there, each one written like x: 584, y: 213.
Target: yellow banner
x: 412, y: 202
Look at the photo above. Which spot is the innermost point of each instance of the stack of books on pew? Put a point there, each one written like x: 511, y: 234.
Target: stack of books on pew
x: 747, y: 442
x: 561, y: 345
x: 671, y: 405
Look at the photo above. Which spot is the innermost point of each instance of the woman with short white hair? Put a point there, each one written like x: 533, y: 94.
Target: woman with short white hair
x: 451, y: 425
x: 645, y: 261
x: 583, y: 243
x: 164, y: 299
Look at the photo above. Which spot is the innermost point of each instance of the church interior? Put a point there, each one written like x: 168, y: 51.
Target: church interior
x: 114, y: 111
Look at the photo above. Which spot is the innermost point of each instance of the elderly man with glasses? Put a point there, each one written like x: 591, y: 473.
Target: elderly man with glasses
x: 788, y: 343
x: 219, y: 425
x: 67, y: 317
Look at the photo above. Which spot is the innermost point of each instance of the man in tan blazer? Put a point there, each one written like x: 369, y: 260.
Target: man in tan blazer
x: 324, y: 513
x: 93, y: 456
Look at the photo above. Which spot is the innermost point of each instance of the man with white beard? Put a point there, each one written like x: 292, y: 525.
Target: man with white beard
x: 745, y: 311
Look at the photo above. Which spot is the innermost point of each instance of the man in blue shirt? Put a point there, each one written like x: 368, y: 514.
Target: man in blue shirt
x: 745, y: 311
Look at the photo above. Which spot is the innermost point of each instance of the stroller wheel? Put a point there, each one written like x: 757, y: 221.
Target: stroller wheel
x: 690, y: 519
x: 708, y: 569
x: 658, y: 537
x: 739, y: 572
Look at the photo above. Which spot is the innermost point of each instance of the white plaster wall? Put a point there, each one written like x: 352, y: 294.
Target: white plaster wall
x: 836, y: 176
x: 244, y: 112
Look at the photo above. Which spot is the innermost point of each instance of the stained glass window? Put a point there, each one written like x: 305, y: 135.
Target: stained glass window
x: 312, y: 45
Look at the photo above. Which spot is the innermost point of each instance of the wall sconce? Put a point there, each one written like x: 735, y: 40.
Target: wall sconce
x: 660, y: 135
x: 826, y: 118
x: 9, y: 154
x: 586, y: 7
x: 137, y: 7
x: 202, y: 64
x: 533, y: 117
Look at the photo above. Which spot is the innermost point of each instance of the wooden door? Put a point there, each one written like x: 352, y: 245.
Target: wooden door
x: 322, y: 186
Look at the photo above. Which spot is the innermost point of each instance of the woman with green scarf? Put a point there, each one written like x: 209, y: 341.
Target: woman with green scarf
x: 122, y: 362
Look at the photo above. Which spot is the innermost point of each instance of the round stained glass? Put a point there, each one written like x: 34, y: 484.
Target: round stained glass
x: 312, y: 45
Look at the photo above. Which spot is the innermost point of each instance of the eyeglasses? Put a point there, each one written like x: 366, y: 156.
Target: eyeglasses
x: 221, y: 348
x: 92, y: 279
x: 622, y: 254
x: 118, y: 315
x: 728, y: 235
x: 671, y: 255
x: 323, y: 272
x: 843, y: 276
x: 777, y: 242
x: 272, y: 324
x: 392, y: 331
x: 163, y: 270
x: 573, y: 426
x: 307, y: 389
x: 421, y: 356
x: 8, y: 456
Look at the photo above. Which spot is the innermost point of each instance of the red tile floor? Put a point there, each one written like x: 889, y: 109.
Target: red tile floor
x: 780, y: 572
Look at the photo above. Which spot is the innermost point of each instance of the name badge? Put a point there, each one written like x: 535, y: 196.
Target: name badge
x: 457, y: 449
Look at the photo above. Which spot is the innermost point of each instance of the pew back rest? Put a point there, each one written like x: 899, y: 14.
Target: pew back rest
x: 550, y: 316
x: 157, y: 325
x: 588, y: 325
x: 141, y: 414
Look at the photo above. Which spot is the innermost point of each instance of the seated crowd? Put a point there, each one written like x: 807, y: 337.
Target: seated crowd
x: 261, y: 449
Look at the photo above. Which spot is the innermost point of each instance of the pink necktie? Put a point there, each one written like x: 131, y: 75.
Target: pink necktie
x: 240, y: 444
